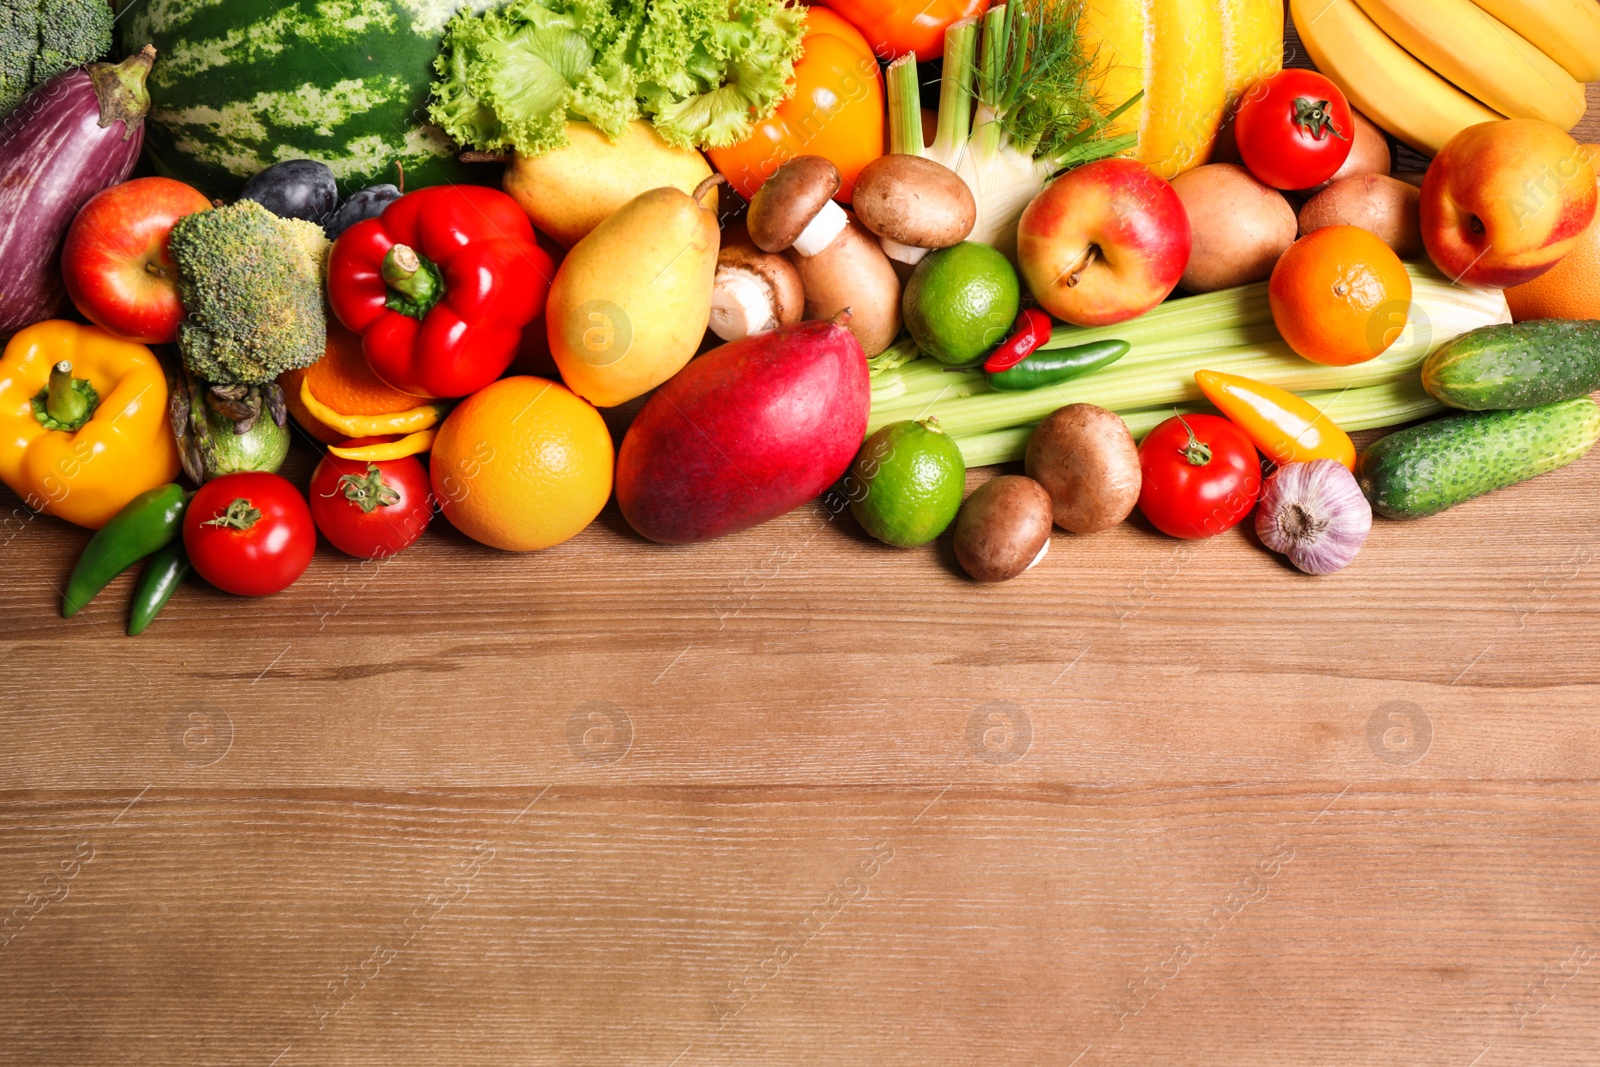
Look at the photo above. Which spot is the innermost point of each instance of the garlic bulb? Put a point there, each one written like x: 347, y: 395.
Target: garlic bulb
x: 1314, y: 513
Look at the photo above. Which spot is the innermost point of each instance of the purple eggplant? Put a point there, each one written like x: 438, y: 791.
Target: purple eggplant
x: 78, y: 133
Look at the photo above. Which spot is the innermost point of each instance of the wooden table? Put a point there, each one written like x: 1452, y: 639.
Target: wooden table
x: 798, y: 798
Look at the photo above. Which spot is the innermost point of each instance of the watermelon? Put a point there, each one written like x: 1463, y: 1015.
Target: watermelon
x: 241, y: 84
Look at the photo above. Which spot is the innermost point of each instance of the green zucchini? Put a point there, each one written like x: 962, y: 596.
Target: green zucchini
x: 1495, y: 368
x: 1426, y: 469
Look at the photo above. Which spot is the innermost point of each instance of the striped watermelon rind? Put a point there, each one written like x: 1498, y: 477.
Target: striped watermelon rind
x: 241, y: 84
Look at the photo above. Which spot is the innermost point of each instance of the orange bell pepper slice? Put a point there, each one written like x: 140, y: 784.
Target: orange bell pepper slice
x: 894, y: 27
x: 1286, y: 428
x: 836, y: 112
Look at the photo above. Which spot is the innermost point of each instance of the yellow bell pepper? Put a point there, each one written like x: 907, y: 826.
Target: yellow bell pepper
x: 83, y: 421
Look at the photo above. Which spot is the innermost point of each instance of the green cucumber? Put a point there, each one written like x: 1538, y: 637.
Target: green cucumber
x: 1495, y: 368
x: 1428, y: 468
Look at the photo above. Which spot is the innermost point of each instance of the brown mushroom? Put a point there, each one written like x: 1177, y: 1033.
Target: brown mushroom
x: 1085, y: 458
x: 794, y: 208
x: 914, y: 204
x: 852, y: 272
x: 754, y: 291
x: 1003, y: 528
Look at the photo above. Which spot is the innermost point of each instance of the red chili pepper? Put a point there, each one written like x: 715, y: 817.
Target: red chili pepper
x: 1031, y: 330
x: 440, y: 286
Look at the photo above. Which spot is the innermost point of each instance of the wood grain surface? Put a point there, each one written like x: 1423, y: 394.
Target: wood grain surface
x: 797, y: 798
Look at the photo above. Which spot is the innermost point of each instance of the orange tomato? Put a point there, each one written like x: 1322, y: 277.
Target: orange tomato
x: 836, y: 112
x: 1340, y: 296
x: 894, y: 28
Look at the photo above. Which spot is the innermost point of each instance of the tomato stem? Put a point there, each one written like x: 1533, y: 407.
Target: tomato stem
x: 241, y: 515
x: 1312, y: 116
x: 368, y: 491
x: 1197, y: 452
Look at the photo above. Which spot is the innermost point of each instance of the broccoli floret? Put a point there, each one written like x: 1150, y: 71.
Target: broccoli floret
x: 41, y: 38
x: 314, y: 239
x: 252, y: 295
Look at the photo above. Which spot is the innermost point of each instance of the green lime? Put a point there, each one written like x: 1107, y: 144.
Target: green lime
x: 906, y: 483
x: 961, y: 301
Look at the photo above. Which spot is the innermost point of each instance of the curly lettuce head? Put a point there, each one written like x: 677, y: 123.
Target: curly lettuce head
x: 704, y: 71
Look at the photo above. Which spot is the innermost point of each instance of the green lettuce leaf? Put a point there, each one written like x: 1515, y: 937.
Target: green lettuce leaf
x: 704, y: 71
x: 513, y: 78
x: 708, y: 70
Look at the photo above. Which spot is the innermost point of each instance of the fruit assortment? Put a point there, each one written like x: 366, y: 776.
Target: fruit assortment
x: 1127, y: 250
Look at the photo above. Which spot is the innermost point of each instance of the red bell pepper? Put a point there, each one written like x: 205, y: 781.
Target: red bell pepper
x: 439, y: 287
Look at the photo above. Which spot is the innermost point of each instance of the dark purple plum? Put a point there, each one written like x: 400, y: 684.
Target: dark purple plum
x: 366, y: 204
x: 294, y: 189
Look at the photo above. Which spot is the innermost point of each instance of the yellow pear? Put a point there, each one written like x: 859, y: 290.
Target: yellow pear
x: 630, y: 302
x: 567, y: 192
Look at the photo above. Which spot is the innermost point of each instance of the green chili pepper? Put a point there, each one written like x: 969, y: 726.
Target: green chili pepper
x: 1050, y: 366
x: 163, y: 573
x: 149, y: 521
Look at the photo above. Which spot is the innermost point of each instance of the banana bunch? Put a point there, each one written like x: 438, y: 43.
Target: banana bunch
x: 1426, y: 69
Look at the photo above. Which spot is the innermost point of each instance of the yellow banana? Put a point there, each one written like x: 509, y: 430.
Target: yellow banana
x: 1384, y: 81
x: 1568, y: 31
x: 1482, y: 56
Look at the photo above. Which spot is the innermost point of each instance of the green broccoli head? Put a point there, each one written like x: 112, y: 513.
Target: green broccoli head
x: 41, y: 38
x: 252, y: 295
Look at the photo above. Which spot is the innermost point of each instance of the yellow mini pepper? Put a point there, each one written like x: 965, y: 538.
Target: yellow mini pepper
x: 1285, y: 427
x: 83, y: 421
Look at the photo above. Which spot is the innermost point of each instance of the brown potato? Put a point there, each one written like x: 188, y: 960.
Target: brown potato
x: 1386, y: 206
x: 1240, y: 226
x: 1086, y: 460
x: 1369, y: 154
x: 1003, y: 528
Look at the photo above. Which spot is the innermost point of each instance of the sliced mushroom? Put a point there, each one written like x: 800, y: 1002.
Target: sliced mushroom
x: 755, y: 291
x: 914, y: 204
x: 795, y: 208
x: 852, y: 272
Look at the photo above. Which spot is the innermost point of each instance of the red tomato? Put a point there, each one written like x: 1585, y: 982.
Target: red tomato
x: 371, y: 510
x: 1201, y: 476
x: 115, y: 261
x: 249, y: 534
x: 1294, y: 129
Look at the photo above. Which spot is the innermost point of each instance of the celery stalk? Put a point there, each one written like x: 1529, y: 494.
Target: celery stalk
x: 1387, y: 404
x: 1219, y: 331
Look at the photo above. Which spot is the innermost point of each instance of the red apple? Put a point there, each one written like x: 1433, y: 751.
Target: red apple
x: 1104, y: 243
x: 115, y: 259
x: 1503, y: 201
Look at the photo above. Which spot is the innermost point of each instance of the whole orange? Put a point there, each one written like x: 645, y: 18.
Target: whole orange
x: 1571, y: 288
x: 1340, y: 296
x: 522, y: 464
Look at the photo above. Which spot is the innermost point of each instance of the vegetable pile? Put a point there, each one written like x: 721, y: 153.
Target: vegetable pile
x: 679, y: 173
